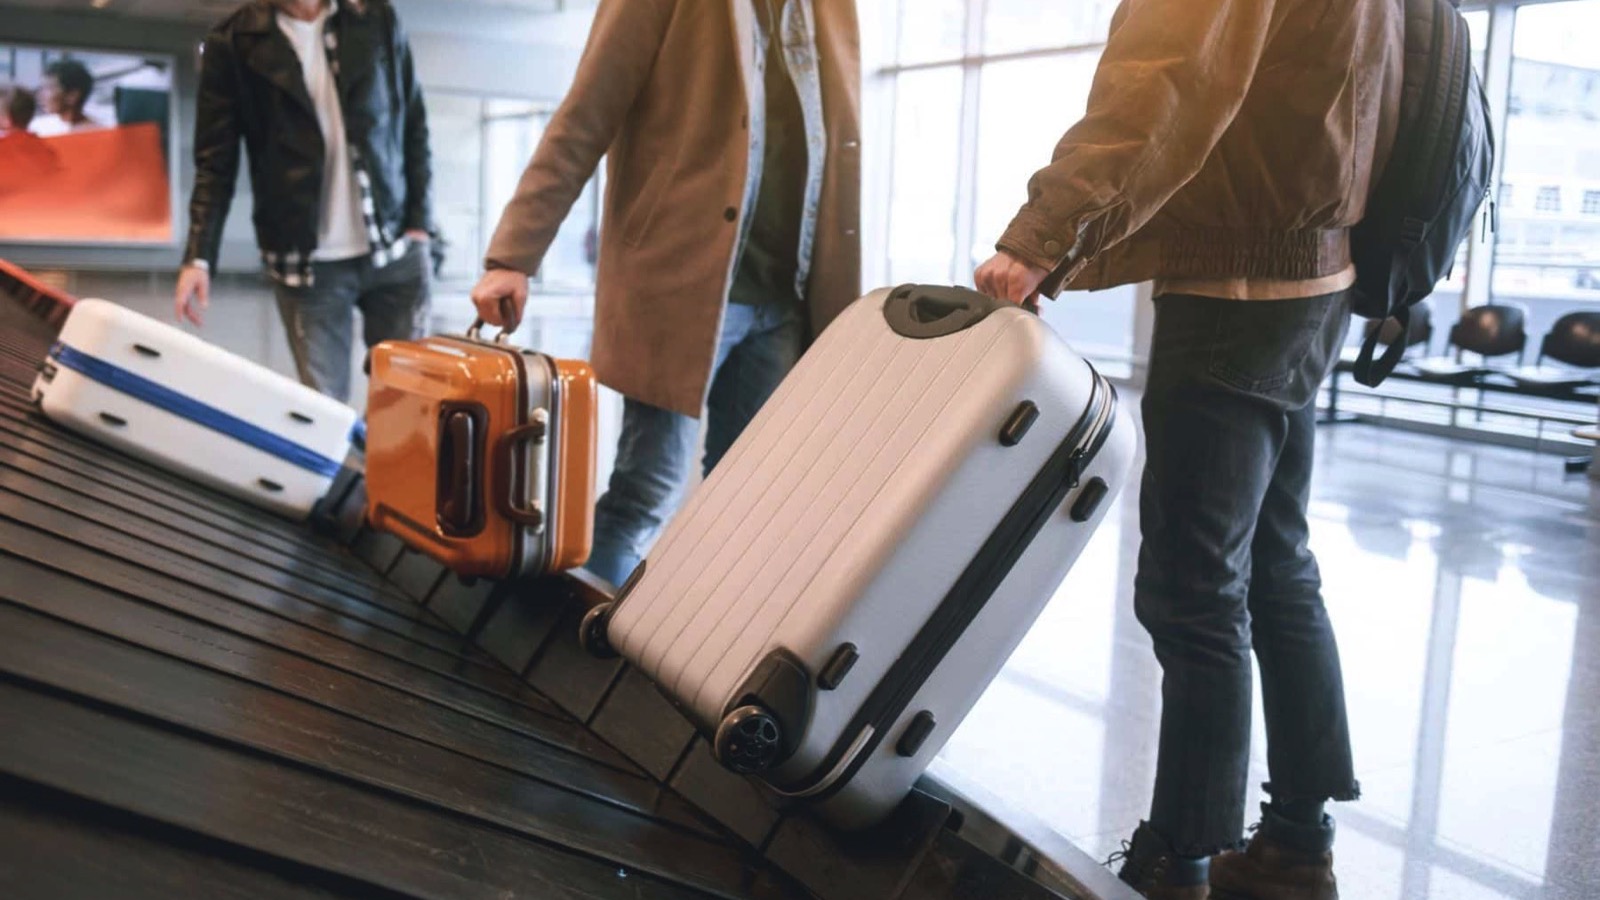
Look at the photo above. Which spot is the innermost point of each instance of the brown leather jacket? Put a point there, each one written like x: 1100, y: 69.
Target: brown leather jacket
x: 1224, y: 138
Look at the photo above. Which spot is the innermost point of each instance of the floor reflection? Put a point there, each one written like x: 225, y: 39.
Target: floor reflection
x: 1465, y: 585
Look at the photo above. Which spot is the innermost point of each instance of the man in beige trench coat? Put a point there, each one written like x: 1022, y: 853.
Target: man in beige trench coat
x: 730, y: 231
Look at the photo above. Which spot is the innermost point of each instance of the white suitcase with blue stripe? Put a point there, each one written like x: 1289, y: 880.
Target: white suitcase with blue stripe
x: 835, y: 597
x: 161, y: 394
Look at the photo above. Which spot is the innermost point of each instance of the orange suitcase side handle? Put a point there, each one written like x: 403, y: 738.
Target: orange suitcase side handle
x: 510, y: 486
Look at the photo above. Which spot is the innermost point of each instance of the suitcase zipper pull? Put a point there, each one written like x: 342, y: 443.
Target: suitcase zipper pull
x: 1075, y: 467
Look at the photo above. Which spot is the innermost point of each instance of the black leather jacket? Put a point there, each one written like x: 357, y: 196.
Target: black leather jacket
x: 252, y: 87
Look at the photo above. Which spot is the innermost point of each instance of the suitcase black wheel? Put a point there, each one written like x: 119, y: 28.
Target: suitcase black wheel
x: 592, y: 633
x: 749, y: 740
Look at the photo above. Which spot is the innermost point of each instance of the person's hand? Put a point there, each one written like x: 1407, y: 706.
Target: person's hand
x: 1004, y: 277
x: 194, y: 294
x: 500, y: 297
x: 418, y: 236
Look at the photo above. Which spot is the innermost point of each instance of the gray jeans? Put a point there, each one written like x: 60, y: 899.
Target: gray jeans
x: 319, y: 319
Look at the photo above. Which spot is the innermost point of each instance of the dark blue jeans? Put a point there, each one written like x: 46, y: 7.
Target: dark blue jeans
x: 1224, y: 568
x: 759, y: 345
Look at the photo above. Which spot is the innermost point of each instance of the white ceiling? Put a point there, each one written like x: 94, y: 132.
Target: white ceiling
x: 538, y: 20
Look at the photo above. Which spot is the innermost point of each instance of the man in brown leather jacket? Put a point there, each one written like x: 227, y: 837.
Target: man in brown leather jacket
x: 1228, y: 148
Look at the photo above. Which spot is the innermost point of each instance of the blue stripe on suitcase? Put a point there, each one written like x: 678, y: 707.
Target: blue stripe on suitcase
x: 164, y: 398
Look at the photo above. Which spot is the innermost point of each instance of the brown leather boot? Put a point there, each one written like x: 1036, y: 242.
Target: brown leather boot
x: 1283, y: 861
x: 1151, y: 867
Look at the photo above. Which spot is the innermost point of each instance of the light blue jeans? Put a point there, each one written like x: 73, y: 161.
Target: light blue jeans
x: 759, y: 345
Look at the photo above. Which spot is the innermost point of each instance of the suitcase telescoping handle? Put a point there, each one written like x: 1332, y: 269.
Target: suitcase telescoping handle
x: 522, y: 501
x: 922, y: 312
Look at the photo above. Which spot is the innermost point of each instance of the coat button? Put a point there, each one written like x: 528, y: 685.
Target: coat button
x: 730, y: 214
x: 1052, y: 247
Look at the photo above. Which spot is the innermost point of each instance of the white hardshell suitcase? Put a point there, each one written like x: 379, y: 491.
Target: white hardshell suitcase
x: 837, y: 595
x: 159, y: 393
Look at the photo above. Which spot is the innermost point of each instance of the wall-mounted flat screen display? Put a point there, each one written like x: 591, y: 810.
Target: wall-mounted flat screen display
x: 85, y: 146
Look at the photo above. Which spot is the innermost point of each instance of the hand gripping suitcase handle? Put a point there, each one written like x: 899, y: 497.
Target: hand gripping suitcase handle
x: 523, y: 503
x: 922, y: 312
x: 511, y: 323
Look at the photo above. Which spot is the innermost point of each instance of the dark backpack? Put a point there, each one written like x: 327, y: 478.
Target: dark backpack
x: 1437, y: 178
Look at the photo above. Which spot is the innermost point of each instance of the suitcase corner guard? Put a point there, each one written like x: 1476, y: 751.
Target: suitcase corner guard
x: 762, y: 727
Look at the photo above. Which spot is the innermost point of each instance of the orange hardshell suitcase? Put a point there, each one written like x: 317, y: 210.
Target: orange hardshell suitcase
x: 482, y: 455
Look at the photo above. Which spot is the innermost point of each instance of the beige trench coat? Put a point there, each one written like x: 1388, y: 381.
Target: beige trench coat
x: 661, y: 91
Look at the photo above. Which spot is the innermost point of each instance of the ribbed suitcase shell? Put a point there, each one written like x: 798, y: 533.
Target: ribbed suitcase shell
x: 844, y: 515
x: 413, y: 384
x: 224, y: 388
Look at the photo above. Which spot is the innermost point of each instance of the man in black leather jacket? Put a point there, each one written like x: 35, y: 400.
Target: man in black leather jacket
x: 325, y: 98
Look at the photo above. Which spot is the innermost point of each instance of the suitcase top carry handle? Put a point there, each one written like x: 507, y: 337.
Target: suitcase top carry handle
x: 476, y: 331
x: 922, y: 312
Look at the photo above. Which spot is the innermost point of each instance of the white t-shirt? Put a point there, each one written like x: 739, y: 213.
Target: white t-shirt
x: 341, y: 229
x: 51, y: 125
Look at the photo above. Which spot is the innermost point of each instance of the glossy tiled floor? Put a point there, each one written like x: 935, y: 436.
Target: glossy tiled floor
x: 1464, y: 582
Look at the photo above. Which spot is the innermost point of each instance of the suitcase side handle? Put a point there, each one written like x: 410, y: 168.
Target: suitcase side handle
x: 458, y: 483
x: 521, y: 499
x: 922, y: 312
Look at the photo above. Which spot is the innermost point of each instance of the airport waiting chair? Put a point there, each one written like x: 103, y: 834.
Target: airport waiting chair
x: 1574, y: 342
x: 1488, y: 332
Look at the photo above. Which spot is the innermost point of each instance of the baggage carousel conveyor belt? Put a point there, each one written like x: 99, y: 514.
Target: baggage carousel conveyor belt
x: 199, y: 699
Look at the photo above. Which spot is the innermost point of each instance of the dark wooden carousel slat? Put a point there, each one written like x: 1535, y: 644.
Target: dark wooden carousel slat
x: 637, y: 719
x: 521, y: 624
x: 288, y: 624
x: 377, y: 549
x: 17, y: 447
x: 284, y: 811
x: 18, y: 412
x: 543, y: 747
x: 463, y: 604
x: 417, y: 576
x: 871, y: 865
x: 59, y: 847
x: 732, y: 800
x: 152, y: 536
x: 563, y: 670
x: 214, y: 578
x: 97, y: 466
x: 357, y: 586
x: 239, y: 713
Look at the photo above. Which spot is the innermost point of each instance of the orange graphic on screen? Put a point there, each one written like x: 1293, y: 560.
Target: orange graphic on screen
x: 104, y: 185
